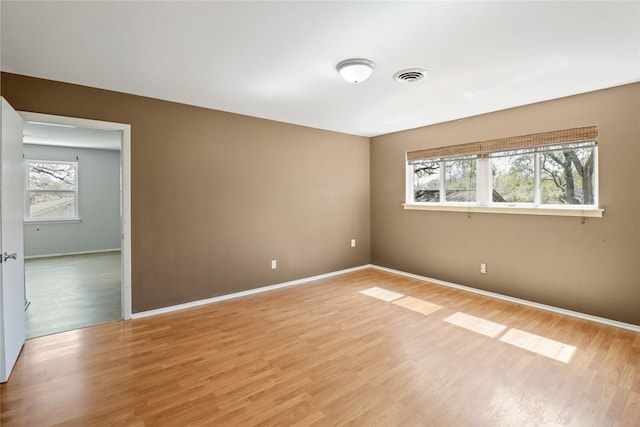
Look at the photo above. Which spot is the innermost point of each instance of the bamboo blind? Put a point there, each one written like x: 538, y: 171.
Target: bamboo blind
x: 556, y: 137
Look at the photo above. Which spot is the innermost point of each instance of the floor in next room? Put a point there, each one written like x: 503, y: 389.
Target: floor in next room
x: 71, y: 292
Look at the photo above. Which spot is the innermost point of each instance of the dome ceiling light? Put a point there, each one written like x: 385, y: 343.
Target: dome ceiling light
x: 355, y: 70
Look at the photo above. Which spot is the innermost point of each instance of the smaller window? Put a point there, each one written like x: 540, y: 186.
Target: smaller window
x: 51, y: 192
x: 513, y: 179
x: 568, y: 176
x: 460, y: 180
x: 427, y: 182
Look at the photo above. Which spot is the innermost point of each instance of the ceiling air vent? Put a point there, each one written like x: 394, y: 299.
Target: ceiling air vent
x: 410, y: 75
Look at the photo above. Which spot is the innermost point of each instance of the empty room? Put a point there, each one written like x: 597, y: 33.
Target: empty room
x: 322, y: 213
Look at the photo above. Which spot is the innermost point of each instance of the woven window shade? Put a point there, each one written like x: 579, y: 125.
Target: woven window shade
x: 556, y: 137
x: 450, y: 151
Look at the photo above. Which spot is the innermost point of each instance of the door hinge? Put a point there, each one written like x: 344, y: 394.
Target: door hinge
x: 7, y: 256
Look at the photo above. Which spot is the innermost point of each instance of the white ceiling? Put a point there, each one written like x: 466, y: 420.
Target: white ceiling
x: 277, y: 60
x: 70, y: 136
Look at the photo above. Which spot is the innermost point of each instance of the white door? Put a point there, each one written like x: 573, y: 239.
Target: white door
x: 12, y: 297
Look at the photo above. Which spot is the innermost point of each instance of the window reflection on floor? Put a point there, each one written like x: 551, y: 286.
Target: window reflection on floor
x: 476, y: 324
x: 417, y: 305
x: 382, y: 294
x: 541, y: 345
x: 535, y: 343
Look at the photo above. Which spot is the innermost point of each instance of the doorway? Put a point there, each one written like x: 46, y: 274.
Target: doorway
x: 88, y: 274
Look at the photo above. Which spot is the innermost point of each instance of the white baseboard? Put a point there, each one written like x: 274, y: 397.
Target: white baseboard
x: 605, y: 321
x: 198, y: 303
x: 72, y: 253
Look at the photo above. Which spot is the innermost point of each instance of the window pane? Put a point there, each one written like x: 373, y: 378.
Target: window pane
x: 513, y: 179
x: 460, y: 180
x: 51, y: 205
x: 426, y: 182
x: 51, y: 176
x: 568, y: 176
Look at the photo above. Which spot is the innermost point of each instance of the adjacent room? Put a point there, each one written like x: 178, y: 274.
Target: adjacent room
x: 322, y: 213
x: 72, y: 227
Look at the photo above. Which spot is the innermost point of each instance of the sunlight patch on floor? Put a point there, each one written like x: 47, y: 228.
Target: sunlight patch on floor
x: 476, y: 324
x: 382, y: 294
x: 541, y: 345
x: 417, y: 305
x: 544, y: 346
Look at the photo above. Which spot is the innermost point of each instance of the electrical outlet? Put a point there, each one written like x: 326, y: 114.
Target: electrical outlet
x: 274, y: 264
x: 483, y: 268
x: 353, y: 243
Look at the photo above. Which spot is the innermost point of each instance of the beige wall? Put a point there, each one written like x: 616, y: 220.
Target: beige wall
x: 592, y: 267
x: 216, y: 196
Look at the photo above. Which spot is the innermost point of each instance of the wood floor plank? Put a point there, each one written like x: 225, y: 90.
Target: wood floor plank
x: 324, y: 354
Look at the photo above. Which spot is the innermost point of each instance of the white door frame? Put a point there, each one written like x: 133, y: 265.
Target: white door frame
x: 125, y: 195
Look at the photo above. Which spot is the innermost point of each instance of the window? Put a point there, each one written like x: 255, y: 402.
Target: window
x: 426, y: 178
x: 513, y: 179
x: 460, y: 180
x: 552, y: 170
x: 51, y: 190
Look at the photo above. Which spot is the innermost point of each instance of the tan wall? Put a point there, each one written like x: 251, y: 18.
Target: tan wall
x: 216, y: 196
x: 591, y: 267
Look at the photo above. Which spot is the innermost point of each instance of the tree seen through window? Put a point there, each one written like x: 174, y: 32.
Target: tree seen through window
x: 51, y: 190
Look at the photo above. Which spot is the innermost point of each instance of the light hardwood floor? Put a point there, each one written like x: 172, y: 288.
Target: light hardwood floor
x: 70, y: 292
x: 327, y: 354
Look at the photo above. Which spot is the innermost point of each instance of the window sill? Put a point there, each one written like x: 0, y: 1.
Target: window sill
x: 514, y: 210
x: 53, y: 221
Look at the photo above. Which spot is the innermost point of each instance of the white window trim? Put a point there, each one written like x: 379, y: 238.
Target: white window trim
x: 484, y: 193
x: 516, y: 210
x: 76, y: 217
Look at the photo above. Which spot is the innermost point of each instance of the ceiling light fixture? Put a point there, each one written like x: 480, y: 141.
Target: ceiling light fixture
x: 355, y: 70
